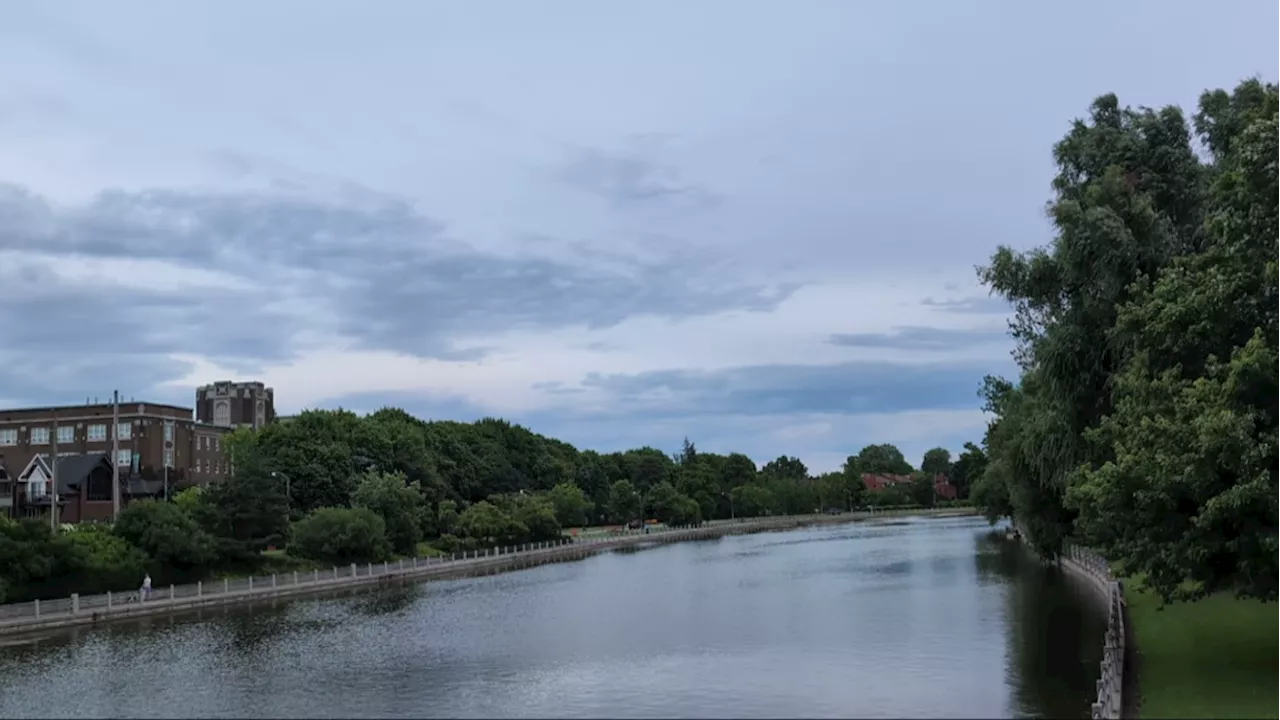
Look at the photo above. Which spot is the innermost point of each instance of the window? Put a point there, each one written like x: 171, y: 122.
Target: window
x: 9, y: 436
x: 124, y: 457
x: 168, y: 431
x: 37, y: 489
x: 40, y: 436
x: 97, y: 433
x: 124, y: 431
x: 66, y: 434
x: 99, y: 483
x: 221, y: 413
x: 168, y: 457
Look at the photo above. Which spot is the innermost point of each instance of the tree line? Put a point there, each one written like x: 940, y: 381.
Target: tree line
x: 332, y: 487
x: 1143, y: 422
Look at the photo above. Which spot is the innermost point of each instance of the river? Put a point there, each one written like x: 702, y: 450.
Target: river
x: 914, y: 617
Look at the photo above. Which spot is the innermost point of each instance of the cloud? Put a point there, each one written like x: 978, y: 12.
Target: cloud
x: 276, y: 268
x: 914, y: 338
x: 631, y: 178
x: 777, y: 390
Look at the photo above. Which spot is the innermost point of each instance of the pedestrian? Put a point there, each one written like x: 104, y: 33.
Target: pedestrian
x: 146, y: 587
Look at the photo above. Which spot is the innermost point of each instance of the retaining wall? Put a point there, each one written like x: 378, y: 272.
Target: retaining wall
x: 1094, y: 571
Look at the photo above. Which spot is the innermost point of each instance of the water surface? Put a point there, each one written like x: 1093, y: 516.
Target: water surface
x: 920, y: 617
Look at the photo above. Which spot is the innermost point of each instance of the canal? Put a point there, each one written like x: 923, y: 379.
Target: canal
x: 914, y: 617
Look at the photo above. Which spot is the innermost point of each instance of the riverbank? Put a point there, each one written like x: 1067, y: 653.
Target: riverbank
x: 35, y: 617
x: 1216, y: 658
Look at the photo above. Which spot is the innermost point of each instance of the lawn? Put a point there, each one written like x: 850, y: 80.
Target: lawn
x: 1215, y: 658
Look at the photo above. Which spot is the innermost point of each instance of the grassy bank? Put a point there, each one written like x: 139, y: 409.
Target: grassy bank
x: 1211, y: 659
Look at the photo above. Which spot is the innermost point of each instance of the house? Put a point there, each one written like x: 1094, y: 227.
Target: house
x: 881, y: 481
x: 84, y: 487
x: 943, y: 488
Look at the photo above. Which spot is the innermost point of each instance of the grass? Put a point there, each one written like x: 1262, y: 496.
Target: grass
x: 1215, y: 658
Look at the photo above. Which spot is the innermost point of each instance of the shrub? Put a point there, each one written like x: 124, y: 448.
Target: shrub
x: 341, y: 536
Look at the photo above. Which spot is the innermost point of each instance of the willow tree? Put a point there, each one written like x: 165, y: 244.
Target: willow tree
x: 1188, y: 498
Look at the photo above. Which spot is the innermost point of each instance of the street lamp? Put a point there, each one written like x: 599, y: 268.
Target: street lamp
x: 288, y: 494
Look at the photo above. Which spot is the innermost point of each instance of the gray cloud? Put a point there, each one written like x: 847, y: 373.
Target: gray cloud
x: 976, y: 305
x: 918, y: 338
x: 857, y: 387
x: 376, y: 269
x: 631, y: 178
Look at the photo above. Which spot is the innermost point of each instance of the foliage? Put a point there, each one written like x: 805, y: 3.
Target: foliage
x: 570, y: 504
x: 341, y: 535
x: 104, y: 561
x: 971, y: 464
x: 880, y: 459
x: 397, y: 502
x: 178, y: 548
x: 921, y: 489
x: 625, y: 504
x: 936, y: 461
x: 1144, y: 421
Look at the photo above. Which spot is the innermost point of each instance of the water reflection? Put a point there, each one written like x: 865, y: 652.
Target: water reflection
x: 915, y: 619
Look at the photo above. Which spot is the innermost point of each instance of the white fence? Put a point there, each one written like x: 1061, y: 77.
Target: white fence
x: 1110, y: 701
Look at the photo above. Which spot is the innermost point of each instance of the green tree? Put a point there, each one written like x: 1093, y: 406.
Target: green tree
x: 971, y: 464
x: 178, y: 549
x: 341, y: 535
x: 1185, y: 494
x: 486, y: 523
x: 570, y: 503
x: 936, y: 461
x: 397, y: 502
x: 103, y: 561
x: 881, y: 459
x: 921, y: 490
x: 625, y: 504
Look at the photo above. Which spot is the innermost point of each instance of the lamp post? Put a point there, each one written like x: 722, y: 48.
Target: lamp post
x: 288, y: 493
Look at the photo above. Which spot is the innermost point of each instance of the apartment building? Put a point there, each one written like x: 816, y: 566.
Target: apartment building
x: 158, y: 445
x: 235, y: 404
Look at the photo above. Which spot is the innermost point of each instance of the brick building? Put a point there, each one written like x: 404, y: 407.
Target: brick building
x: 156, y: 442
x: 235, y: 404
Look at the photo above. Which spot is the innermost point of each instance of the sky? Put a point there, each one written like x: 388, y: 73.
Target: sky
x: 752, y: 224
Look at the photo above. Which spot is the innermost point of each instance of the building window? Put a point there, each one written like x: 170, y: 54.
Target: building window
x: 168, y: 457
x: 40, y: 436
x: 168, y: 431
x: 66, y: 434
x: 9, y: 436
x: 37, y: 489
x: 99, y: 489
x: 221, y: 413
x: 124, y: 431
x: 96, y: 433
x: 124, y: 457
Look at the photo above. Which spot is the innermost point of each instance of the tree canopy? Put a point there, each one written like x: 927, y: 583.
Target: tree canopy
x: 1144, y: 419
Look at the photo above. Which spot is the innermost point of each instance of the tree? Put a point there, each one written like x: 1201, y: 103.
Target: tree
x: 177, y: 547
x: 880, y: 459
x: 341, y: 535
x: 486, y: 523
x: 398, y: 503
x: 786, y: 468
x: 936, y: 461
x: 921, y: 489
x: 971, y: 464
x: 1187, y: 496
x: 103, y: 561
x: 249, y: 511
x: 625, y: 504
x: 570, y: 504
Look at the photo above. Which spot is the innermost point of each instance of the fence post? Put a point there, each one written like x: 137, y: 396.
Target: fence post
x: 370, y: 569
x: 199, y: 588
x: 37, y: 604
x: 295, y: 577
x: 170, y: 591
x: 250, y: 583
x: 402, y: 564
x: 75, y: 603
x: 335, y: 572
x: 415, y: 562
x: 385, y: 567
x: 226, y: 585
x: 353, y: 569
x: 315, y: 574
x: 108, y: 599
x: 274, y: 582
x: 453, y: 557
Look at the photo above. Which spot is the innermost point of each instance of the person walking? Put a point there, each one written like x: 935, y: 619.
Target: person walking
x: 146, y: 587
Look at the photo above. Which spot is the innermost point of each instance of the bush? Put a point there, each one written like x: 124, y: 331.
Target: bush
x: 104, y: 561
x: 178, y: 548
x: 341, y: 536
